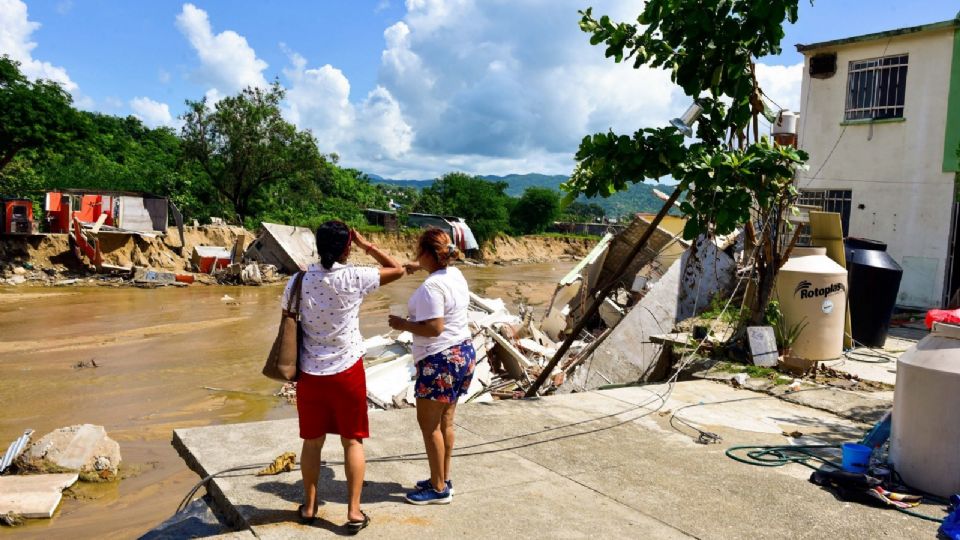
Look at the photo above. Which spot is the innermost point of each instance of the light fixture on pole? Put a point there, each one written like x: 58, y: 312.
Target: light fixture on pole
x: 684, y: 124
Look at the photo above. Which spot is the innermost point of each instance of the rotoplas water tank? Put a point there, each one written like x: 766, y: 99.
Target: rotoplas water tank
x: 925, y: 436
x: 812, y: 291
x: 874, y: 283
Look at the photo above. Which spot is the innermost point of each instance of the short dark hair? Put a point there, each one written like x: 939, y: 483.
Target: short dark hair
x: 333, y: 237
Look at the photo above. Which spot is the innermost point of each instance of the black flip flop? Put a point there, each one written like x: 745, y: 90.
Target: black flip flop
x: 304, y: 519
x: 353, y: 527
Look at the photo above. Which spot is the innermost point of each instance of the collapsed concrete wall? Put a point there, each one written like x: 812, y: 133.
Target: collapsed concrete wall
x: 628, y: 354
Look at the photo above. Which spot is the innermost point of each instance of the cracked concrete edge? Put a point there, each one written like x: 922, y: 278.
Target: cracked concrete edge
x: 223, y: 506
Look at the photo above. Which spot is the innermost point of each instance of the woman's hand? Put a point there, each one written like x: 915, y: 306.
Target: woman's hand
x: 411, y: 267
x: 358, y: 239
x: 397, y: 323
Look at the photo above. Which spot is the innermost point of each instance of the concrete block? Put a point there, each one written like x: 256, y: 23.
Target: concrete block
x: 763, y: 346
x: 33, y: 496
x: 84, y: 448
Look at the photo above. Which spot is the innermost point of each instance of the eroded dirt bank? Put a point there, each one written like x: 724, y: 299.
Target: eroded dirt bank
x: 44, y: 260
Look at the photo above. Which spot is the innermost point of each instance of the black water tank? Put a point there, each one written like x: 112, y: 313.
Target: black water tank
x: 874, y: 281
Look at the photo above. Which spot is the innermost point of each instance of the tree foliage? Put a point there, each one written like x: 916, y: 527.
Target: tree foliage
x: 244, y: 145
x: 535, y: 211
x: 581, y: 212
x: 483, y: 204
x: 34, y: 115
x: 709, y: 48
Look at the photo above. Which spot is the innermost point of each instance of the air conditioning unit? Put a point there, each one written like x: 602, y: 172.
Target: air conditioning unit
x: 823, y: 66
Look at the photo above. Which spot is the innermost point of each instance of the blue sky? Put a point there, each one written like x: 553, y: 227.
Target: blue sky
x: 402, y: 89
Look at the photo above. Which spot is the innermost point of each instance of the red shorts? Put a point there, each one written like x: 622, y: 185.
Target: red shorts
x: 333, y: 404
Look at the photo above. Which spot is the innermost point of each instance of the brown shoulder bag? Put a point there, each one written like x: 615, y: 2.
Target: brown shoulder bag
x: 281, y: 364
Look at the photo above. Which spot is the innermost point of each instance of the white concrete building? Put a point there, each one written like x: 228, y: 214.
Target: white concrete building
x: 880, y: 118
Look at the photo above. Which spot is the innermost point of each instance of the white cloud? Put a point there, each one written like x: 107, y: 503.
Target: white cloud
x: 153, y: 113
x: 15, y: 32
x: 781, y: 84
x: 502, y: 86
x: 382, y: 6
x: 318, y: 99
x: 227, y: 62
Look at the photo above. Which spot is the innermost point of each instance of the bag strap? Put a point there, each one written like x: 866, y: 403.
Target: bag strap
x: 293, y: 302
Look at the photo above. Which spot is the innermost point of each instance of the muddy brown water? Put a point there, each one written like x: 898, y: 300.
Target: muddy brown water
x: 159, y: 354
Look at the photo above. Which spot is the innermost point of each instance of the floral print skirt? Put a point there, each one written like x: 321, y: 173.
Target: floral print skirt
x: 446, y: 375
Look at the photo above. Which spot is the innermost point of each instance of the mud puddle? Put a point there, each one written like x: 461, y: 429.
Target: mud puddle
x: 159, y: 353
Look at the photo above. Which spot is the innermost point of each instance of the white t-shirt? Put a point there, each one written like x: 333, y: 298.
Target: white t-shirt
x: 329, y: 315
x: 443, y: 294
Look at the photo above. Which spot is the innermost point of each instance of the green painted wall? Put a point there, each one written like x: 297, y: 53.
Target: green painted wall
x: 951, y: 139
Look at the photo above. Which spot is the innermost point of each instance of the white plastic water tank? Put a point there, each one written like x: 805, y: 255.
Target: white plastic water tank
x: 786, y: 123
x: 925, y: 436
x: 812, y: 291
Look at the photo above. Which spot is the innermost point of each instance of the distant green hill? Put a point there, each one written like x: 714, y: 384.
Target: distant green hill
x: 638, y: 198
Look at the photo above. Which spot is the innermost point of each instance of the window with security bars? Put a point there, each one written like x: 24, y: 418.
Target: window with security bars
x: 876, y: 87
x: 827, y: 200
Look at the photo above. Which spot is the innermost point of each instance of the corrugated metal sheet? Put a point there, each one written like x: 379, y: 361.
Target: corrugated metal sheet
x: 14, y: 450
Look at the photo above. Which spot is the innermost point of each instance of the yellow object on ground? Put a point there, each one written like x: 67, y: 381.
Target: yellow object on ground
x: 282, y: 463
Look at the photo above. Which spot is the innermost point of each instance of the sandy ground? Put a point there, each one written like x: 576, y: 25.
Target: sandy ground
x: 159, y: 351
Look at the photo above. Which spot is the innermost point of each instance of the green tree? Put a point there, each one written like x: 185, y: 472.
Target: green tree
x: 34, y: 115
x: 121, y: 153
x: 709, y: 47
x: 244, y: 145
x: 535, y: 211
x: 580, y: 212
x: 483, y: 204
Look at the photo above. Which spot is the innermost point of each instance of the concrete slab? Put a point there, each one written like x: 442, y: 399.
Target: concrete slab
x: 596, y: 464
x: 34, y: 496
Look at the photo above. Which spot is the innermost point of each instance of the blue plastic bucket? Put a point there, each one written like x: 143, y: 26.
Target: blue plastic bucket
x: 856, y: 457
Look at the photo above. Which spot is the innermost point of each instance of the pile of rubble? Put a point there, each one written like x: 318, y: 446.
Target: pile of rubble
x: 624, y: 342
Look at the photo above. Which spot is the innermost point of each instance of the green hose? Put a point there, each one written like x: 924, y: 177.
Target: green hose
x: 778, y: 456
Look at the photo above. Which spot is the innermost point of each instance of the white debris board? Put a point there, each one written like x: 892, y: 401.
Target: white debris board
x: 33, y: 496
x: 763, y: 346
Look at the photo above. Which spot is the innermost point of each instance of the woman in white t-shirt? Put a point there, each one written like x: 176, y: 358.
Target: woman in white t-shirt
x: 331, y: 384
x: 444, y: 354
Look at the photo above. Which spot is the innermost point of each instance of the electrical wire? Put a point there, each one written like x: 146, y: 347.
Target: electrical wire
x: 421, y: 456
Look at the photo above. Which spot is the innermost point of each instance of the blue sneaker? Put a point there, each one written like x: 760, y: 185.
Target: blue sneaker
x: 426, y: 484
x: 429, y: 496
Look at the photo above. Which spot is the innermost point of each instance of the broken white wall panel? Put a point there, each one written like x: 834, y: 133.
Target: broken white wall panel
x: 628, y: 354
x: 512, y: 360
x: 290, y: 248
x: 709, y: 272
x: 34, y: 495
x: 389, y: 379
x: 583, y: 277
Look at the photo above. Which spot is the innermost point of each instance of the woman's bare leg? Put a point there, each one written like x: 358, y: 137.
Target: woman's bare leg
x: 429, y: 413
x: 310, y: 470
x: 446, y: 428
x: 356, y: 465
